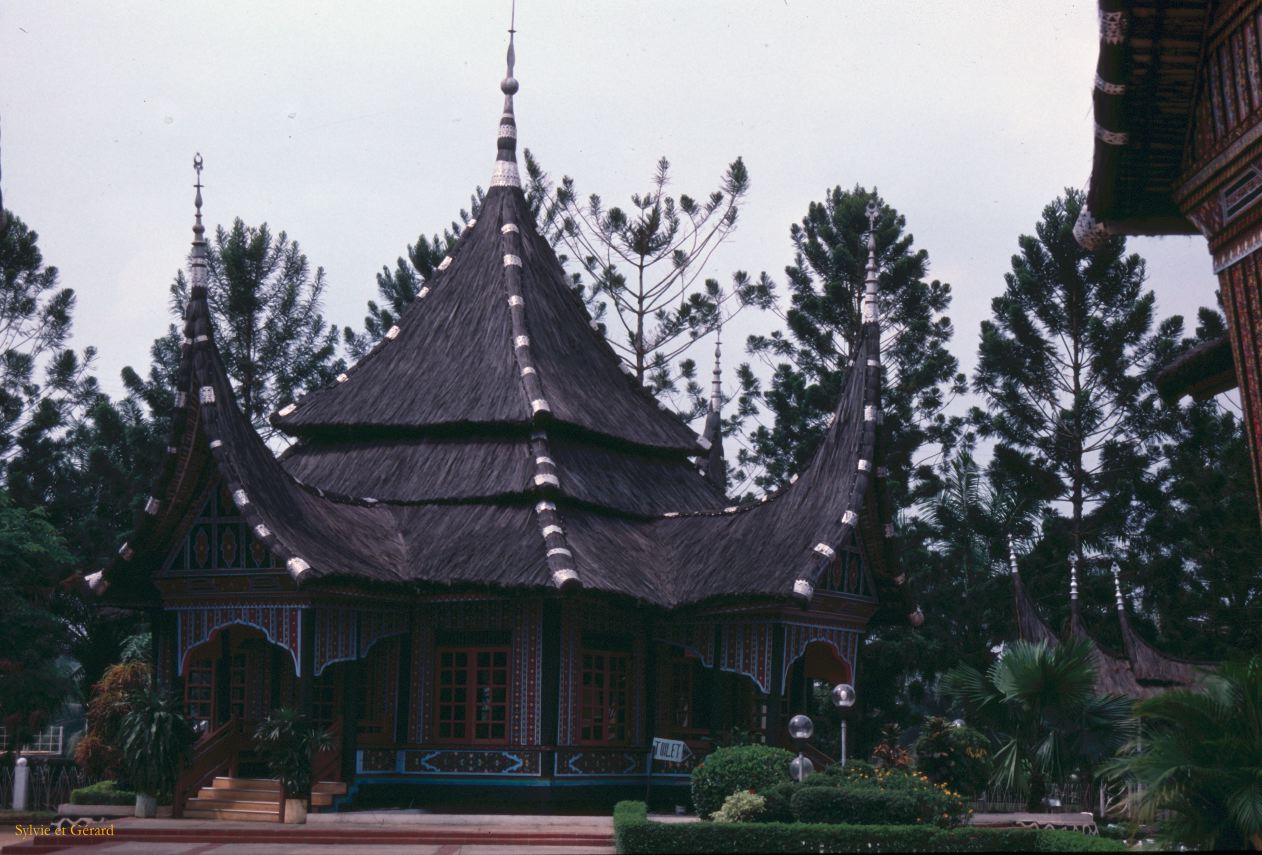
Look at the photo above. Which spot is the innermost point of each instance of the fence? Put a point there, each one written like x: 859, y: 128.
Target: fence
x: 50, y: 784
x: 1065, y: 797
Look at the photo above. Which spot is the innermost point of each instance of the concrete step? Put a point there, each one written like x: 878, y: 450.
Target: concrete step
x: 237, y: 814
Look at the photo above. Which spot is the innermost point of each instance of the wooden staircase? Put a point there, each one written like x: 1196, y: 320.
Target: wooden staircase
x: 252, y: 799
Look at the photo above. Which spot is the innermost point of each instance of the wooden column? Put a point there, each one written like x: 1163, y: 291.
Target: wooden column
x: 403, y: 696
x: 306, y: 659
x: 777, y: 687
x: 222, y: 681
x: 350, y: 714
x: 550, y: 683
x: 651, y: 693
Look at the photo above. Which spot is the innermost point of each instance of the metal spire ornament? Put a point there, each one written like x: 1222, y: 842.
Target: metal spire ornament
x: 197, y: 263
x: 869, y: 289
x: 1073, y: 578
x: 1117, y: 587
x: 505, y: 174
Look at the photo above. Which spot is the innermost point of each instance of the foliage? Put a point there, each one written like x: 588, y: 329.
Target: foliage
x: 287, y: 740
x: 738, y: 768
x: 777, y: 803
x: 155, y: 739
x: 1198, y: 755
x: 40, y: 380
x: 813, y: 355
x: 886, y: 795
x: 1038, y: 704
x: 645, y: 267
x: 888, y: 752
x: 1200, y: 547
x: 102, y: 793
x: 634, y: 833
x: 99, y: 752
x: 265, y: 308
x: 955, y: 755
x: 741, y: 806
x: 1064, y: 365
x: 32, y: 557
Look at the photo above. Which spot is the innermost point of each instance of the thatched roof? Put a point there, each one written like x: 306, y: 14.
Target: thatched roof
x: 493, y: 440
x: 1146, y: 73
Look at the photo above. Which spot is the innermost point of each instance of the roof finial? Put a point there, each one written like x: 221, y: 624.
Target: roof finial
x: 1012, y: 555
x: 716, y: 385
x: 1117, y: 587
x: 505, y: 174
x: 1073, y: 577
x: 869, y: 290
x: 197, y: 263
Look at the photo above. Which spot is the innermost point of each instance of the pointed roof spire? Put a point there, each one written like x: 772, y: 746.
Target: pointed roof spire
x: 1117, y: 588
x: 1073, y: 578
x: 505, y: 174
x: 869, y: 284
x: 715, y: 467
x: 197, y: 261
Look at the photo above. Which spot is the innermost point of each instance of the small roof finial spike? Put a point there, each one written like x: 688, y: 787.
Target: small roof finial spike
x: 505, y: 174
x: 197, y: 262
x: 870, y: 281
x: 1117, y: 587
x: 1073, y: 576
x: 1012, y: 555
x: 716, y: 385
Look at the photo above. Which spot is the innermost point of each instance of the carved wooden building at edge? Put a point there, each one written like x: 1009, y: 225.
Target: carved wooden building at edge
x: 1178, y: 150
x: 490, y: 556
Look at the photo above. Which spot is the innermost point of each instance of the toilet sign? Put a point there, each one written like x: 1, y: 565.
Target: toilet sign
x: 670, y: 750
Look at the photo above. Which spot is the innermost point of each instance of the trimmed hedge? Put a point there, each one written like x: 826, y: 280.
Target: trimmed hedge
x: 634, y: 833
x: 737, y: 767
x: 102, y: 793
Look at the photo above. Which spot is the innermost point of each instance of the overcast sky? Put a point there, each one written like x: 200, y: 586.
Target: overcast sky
x: 357, y: 126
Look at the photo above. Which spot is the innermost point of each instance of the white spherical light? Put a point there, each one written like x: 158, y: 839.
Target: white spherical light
x: 843, y: 696
x: 801, y: 727
x: 800, y: 767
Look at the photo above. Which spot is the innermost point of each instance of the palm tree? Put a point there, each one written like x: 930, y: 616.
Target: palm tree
x: 1038, y: 704
x: 1198, y: 755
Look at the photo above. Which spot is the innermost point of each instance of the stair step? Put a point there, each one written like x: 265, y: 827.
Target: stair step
x: 269, y: 784
x: 336, y: 788
x: 231, y: 804
x: 239, y: 815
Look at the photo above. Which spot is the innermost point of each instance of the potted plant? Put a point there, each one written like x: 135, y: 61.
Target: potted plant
x: 155, y: 740
x: 287, y: 740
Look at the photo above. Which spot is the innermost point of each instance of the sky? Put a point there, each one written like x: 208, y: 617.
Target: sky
x: 355, y: 127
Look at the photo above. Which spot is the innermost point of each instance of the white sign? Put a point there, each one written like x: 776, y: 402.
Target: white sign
x: 670, y: 750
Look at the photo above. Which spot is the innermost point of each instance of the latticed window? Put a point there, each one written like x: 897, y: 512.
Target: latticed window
x: 473, y: 695
x: 606, y: 700
x: 199, y: 684
x: 682, y: 673
x: 324, y: 699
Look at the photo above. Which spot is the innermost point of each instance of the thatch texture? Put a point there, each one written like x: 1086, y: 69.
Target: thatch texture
x: 452, y: 363
x: 1202, y: 371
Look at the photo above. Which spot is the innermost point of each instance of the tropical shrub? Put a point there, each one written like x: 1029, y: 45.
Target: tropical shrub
x: 776, y: 803
x: 155, y: 740
x: 102, y: 793
x: 888, y: 752
x: 1199, y: 756
x: 287, y: 740
x: 744, y: 767
x: 98, y: 753
x: 1039, y: 705
x: 878, y: 797
x: 957, y: 756
x: 741, y: 806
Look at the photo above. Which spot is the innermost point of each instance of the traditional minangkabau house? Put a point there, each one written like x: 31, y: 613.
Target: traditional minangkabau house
x: 1178, y: 150
x: 491, y: 557
x: 1141, y: 671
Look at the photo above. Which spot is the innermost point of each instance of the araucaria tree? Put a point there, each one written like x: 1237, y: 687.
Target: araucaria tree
x: 643, y: 271
x: 265, y: 306
x: 813, y: 355
x: 1062, y: 366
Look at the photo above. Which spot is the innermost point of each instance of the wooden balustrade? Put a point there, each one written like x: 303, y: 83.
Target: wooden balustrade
x: 214, y: 754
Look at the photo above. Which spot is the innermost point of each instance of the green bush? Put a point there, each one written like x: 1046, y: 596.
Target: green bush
x: 742, y: 767
x: 634, y: 834
x: 102, y: 793
x: 776, y: 807
x: 740, y: 806
x: 862, y: 794
x: 956, y: 756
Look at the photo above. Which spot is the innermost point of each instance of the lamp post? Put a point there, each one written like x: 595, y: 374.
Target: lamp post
x: 800, y: 729
x: 843, y: 699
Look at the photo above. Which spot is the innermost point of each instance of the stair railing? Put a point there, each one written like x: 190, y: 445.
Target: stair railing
x: 214, y: 753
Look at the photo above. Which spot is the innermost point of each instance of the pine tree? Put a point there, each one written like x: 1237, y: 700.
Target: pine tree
x: 811, y: 357
x: 265, y: 306
x: 642, y: 271
x: 41, y: 381
x: 1064, y: 365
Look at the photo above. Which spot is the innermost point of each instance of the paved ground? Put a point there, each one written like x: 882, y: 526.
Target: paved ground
x: 166, y: 848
